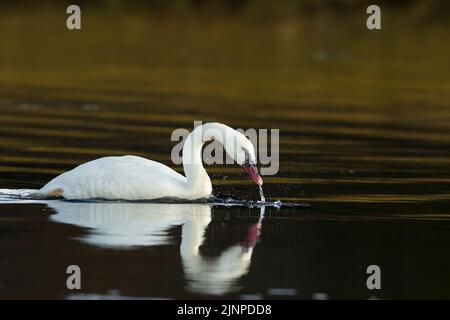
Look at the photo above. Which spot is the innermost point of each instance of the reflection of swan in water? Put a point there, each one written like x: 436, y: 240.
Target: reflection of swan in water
x: 125, y: 225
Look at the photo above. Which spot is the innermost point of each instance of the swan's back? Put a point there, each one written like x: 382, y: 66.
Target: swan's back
x: 126, y: 177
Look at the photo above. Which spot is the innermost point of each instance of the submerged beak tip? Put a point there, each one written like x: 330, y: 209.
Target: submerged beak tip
x: 260, y: 181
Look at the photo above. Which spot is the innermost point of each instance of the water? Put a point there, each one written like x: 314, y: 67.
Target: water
x: 364, y: 156
x: 261, y: 194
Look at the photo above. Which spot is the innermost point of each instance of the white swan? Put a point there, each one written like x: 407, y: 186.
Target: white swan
x: 136, y: 178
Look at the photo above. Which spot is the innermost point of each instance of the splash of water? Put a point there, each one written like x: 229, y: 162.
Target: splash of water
x: 16, y: 194
x: 26, y: 195
x: 261, y: 194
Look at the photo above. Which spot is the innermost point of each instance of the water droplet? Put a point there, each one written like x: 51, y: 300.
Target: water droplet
x: 261, y: 194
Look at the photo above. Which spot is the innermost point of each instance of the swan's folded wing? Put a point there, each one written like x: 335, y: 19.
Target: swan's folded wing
x: 128, y: 177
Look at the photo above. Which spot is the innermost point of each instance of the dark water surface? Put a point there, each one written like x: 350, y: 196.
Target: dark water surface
x: 364, y: 125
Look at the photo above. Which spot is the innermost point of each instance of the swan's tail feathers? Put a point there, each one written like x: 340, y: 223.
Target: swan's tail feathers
x: 55, y: 193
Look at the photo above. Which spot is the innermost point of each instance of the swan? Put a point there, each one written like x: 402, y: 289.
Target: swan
x: 136, y: 178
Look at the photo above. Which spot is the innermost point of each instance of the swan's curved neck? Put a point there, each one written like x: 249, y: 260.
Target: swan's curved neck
x: 196, y: 175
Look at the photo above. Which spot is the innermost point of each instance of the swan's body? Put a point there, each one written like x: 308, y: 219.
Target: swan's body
x: 136, y: 178
x: 126, y: 177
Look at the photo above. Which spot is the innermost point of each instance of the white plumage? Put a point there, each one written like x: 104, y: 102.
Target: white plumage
x: 127, y: 177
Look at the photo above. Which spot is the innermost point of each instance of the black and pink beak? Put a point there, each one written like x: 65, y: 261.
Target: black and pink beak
x: 252, y: 171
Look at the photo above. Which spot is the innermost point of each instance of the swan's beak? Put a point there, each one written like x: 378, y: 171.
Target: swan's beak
x: 252, y: 171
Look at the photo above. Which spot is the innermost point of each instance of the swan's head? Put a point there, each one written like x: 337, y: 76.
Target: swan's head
x: 243, y: 152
